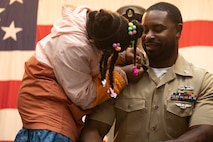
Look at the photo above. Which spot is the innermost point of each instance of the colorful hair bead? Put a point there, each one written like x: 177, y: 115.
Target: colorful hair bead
x: 111, y: 91
x: 103, y: 82
x: 132, y: 29
x: 135, y: 70
x: 116, y: 46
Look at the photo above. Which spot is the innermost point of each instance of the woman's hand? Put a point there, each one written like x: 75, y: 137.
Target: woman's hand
x: 129, y: 56
x: 130, y: 74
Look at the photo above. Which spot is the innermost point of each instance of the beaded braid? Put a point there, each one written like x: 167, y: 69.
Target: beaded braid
x: 132, y: 31
x: 109, y: 31
x: 112, y: 63
x: 134, y: 43
x: 104, y: 60
x: 103, y: 66
x: 103, y: 69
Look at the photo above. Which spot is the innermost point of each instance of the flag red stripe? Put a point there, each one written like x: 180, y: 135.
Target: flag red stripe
x: 9, y: 93
x: 197, y: 33
x: 194, y: 33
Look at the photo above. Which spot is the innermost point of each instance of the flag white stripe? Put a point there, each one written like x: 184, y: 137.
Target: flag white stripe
x: 12, y: 64
x: 10, y: 124
x: 201, y: 56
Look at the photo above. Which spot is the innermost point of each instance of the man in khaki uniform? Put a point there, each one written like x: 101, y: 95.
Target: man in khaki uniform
x: 171, y: 102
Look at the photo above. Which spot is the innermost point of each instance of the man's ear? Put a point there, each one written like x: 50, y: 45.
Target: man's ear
x: 179, y: 27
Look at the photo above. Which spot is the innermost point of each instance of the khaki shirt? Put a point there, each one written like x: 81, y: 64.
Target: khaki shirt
x: 145, y: 112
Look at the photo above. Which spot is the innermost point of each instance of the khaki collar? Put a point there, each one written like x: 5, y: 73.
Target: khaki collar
x: 183, y: 67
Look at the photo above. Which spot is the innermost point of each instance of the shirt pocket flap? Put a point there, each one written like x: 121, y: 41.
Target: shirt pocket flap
x: 180, y: 108
x: 130, y: 104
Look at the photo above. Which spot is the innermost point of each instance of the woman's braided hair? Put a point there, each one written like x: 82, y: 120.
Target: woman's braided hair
x: 107, y: 28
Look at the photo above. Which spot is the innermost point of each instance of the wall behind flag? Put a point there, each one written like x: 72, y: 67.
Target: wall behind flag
x: 24, y: 22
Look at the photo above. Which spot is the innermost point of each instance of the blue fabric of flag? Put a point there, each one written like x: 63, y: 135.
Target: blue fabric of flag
x: 22, y: 16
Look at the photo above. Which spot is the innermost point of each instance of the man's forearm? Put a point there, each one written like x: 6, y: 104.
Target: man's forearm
x: 94, y: 131
x: 202, y: 133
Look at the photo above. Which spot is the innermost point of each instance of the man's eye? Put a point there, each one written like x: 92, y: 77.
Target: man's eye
x: 158, y: 29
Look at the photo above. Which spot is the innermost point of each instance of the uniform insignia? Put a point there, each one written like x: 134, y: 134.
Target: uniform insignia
x: 184, y: 93
x: 183, y: 106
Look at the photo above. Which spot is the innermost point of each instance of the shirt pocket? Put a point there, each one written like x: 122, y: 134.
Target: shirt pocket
x: 180, y: 108
x: 131, y: 113
x: 177, y: 117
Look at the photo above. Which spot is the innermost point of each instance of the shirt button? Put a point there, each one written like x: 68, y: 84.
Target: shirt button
x: 155, y: 107
x: 129, y: 106
x: 154, y: 128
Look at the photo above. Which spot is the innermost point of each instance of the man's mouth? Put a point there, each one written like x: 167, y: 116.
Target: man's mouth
x: 151, y: 45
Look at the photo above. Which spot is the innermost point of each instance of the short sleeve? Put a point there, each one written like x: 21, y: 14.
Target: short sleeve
x: 104, y: 112
x: 204, y: 106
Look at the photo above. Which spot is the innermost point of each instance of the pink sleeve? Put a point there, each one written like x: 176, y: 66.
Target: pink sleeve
x: 73, y: 70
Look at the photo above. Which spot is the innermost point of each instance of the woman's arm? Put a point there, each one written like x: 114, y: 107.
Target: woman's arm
x: 94, y: 131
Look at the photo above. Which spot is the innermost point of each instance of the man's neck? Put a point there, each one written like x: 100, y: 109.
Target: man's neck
x: 157, y: 63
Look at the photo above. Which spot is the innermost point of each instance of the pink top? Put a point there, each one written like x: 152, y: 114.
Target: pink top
x: 73, y: 59
x: 62, y: 79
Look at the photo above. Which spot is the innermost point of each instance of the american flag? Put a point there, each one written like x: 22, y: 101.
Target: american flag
x: 18, y: 26
x: 24, y: 22
x: 17, y: 41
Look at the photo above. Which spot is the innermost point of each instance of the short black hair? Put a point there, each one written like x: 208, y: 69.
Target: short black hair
x: 173, y: 12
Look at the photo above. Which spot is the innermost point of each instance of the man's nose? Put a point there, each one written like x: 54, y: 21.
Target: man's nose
x: 149, y: 35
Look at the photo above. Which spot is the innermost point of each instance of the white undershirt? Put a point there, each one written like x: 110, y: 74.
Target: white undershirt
x: 160, y: 72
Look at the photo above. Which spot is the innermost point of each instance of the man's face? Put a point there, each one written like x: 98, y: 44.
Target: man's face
x: 159, y: 37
